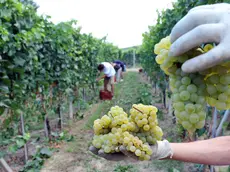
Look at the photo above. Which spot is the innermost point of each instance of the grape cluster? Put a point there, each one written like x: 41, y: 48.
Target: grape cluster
x: 191, y: 92
x: 188, y: 90
x: 218, y: 87
x: 145, y: 118
x: 217, y: 80
x: 136, y: 131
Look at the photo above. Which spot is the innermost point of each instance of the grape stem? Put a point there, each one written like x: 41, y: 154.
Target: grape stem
x: 138, y: 110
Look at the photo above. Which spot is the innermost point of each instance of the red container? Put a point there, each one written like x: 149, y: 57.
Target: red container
x: 105, y: 95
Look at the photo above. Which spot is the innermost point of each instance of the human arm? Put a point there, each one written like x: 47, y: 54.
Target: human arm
x: 101, y: 77
x: 212, y: 152
x: 203, y: 24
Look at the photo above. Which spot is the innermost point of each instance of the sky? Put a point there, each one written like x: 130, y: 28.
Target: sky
x: 123, y: 21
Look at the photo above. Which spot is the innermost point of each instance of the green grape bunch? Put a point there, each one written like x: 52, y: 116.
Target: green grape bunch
x: 188, y: 90
x: 191, y: 92
x: 135, y: 132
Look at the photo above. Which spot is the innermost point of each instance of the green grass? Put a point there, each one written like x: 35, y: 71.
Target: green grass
x: 166, y: 165
x: 98, y: 113
x: 125, y: 168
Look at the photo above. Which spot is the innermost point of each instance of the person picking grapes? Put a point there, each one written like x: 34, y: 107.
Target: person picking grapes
x: 118, y: 70
x: 109, y: 72
x: 203, y: 24
x: 120, y: 63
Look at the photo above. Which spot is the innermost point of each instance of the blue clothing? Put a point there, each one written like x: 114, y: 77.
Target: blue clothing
x: 120, y: 63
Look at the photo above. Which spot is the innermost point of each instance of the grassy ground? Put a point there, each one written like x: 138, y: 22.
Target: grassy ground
x: 75, y: 156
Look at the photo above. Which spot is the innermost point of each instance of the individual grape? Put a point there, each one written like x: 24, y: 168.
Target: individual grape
x: 178, y: 84
x: 192, y: 88
x: 157, y: 49
x: 190, y: 108
x: 198, y: 107
x: 146, y: 127
x: 126, y: 140
x: 201, y: 100
x: 179, y: 106
x: 200, y: 124
x: 184, y: 116
x: 149, y: 152
x: 220, y: 105
x: 214, y: 79
x: 140, y: 123
x: 187, y: 125
x: 144, y: 121
x: 132, y: 148
x: 146, y: 157
x: 186, y: 80
x: 124, y: 127
x: 176, y: 97
x: 198, y: 81
x: 138, y: 152
x: 194, y: 97
x: 208, y: 47
x: 159, y: 59
x: 223, y: 97
x: 114, y: 130
x: 184, y: 95
x: 107, y: 149
x: 224, y: 80
x: 182, y: 88
x: 221, y: 87
x: 194, y: 118
x: 211, y: 89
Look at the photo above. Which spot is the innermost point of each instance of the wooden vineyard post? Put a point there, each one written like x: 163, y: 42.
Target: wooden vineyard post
x: 164, y: 98
x: 60, y: 123
x: 70, y: 108
x: 46, y: 127
x: 23, y: 133
x: 5, y: 166
x: 83, y: 94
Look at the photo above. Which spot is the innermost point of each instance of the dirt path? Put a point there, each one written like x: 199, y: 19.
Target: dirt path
x: 75, y: 157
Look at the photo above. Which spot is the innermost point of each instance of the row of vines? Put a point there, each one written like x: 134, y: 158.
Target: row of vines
x: 164, y: 24
x: 44, y: 69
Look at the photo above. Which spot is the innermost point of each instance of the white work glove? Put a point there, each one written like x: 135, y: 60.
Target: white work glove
x: 203, y: 24
x: 160, y: 150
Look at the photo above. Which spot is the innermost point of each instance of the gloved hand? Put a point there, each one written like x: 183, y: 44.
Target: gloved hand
x: 160, y: 150
x: 203, y: 24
